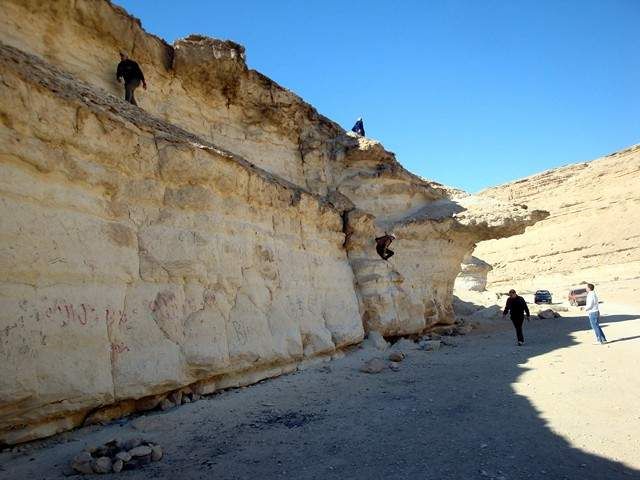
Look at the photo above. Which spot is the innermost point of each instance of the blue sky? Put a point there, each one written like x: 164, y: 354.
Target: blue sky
x: 470, y: 93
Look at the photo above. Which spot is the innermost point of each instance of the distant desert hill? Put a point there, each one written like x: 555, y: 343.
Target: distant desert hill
x: 592, y: 233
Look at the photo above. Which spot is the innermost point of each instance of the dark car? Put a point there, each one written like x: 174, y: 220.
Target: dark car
x: 542, y: 296
x: 577, y: 296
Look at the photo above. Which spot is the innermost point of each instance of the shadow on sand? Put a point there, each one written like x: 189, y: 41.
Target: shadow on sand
x: 449, y: 415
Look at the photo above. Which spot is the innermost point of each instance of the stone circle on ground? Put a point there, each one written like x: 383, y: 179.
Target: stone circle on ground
x: 116, y: 456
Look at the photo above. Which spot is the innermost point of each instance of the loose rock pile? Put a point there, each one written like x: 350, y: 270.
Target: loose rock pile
x: 115, y: 456
x: 549, y: 313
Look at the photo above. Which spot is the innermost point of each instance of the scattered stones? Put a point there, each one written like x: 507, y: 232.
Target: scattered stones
x: 166, y: 404
x: 116, y: 456
x: 395, y: 366
x: 375, y: 365
x: 397, y: 356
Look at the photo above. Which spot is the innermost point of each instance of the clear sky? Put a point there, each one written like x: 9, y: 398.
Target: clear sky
x: 470, y: 93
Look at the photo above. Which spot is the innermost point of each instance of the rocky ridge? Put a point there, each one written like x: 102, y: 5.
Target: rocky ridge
x: 220, y: 235
x: 591, y: 235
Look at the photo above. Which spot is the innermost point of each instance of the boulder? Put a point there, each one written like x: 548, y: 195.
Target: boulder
x: 548, y: 313
x: 397, y: 356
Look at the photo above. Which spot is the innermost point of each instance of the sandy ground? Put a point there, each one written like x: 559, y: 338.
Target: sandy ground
x: 561, y: 407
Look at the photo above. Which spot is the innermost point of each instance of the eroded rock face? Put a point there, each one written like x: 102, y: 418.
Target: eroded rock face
x: 215, y: 237
x: 412, y: 291
x: 137, y: 261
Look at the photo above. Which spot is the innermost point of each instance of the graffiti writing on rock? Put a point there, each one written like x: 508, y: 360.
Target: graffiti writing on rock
x: 118, y: 348
x: 83, y: 314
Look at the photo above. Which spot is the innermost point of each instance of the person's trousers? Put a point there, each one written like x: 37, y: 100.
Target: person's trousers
x: 384, y: 253
x: 517, y: 322
x: 594, y: 320
x: 129, y: 87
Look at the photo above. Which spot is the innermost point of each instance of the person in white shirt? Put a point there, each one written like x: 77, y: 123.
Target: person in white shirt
x: 593, y: 311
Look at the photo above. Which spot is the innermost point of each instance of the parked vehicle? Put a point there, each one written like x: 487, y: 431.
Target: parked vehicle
x: 578, y: 296
x: 542, y: 296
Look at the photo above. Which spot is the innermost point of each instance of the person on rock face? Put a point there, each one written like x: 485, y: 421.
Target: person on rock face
x: 129, y: 71
x: 382, y: 245
x: 518, y: 307
x: 359, y: 127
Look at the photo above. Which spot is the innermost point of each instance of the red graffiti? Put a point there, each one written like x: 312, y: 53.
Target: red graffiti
x: 118, y: 348
x: 83, y: 314
x: 111, y: 316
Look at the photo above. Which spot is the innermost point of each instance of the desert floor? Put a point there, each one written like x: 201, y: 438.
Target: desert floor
x: 560, y: 407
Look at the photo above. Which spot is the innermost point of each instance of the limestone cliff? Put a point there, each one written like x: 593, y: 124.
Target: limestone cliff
x: 591, y: 235
x: 218, y: 235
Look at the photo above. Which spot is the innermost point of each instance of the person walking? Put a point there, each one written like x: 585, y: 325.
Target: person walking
x: 518, y: 307
x: 593, y: 312
x: 132, y: 76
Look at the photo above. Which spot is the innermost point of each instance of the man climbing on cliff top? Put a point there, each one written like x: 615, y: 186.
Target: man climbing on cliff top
x: 132, y: 75
x: 359, y: 127
x: 382, y: 245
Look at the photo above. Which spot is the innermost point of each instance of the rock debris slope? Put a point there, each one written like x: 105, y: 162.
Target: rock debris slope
x: 220, y: 235
x: 591, y: 235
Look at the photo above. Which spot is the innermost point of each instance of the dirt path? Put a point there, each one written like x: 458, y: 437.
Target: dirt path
x: 558, y: 408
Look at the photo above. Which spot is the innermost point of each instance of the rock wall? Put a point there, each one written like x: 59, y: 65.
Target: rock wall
x: 591, y: 235
x: 136, y: 261
x: 221, y: 234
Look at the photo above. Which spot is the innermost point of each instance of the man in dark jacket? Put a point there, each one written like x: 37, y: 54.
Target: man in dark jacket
x: 382, y: 246
x: 359, y: 127
x: 518, y: 307
x: 130, y: 72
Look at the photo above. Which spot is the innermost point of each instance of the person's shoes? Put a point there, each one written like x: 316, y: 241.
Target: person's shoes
x: 520, y: 344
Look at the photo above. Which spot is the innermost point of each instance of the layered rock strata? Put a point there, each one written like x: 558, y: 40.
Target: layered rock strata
x: 137, y: 259
x: 591, y: 235
x: 221, y: 234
